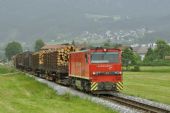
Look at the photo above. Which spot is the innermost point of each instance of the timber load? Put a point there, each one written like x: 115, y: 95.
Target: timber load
x: 57, y: 60
x: 38, y: 60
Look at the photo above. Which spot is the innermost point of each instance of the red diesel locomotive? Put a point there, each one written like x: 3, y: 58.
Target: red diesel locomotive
x: 96, y: 70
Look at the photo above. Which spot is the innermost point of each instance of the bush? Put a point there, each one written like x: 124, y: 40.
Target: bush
x: 136, y: 68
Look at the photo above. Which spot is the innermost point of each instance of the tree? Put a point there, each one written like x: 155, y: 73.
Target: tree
x: 162, y: 49
x: 107, y: 44
x: 39, y: 44
x: 157, y: 56
x: 12, y: 49
x: 129, y: 58
x: 73, y: 42
x: 149, y: 56
x: 117, y: 45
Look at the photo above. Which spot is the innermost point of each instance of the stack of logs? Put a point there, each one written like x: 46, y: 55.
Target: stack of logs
x: 61, y: 55
x: 35, y: 60
x: 58, y: 58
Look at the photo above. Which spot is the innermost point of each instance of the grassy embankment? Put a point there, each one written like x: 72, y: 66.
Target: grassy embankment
x: 151, y: 83
x: 5, y: 69
x: 22, y: 94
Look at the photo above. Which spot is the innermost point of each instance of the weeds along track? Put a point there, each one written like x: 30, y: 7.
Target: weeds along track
x: 136, y: 105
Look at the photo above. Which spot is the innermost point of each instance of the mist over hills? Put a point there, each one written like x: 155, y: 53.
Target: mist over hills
x: 27, y: 20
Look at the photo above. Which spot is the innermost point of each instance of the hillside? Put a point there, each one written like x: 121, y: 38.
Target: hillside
x: 27, y: 20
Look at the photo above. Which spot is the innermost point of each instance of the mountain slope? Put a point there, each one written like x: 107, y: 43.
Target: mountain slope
x: 26, y: 20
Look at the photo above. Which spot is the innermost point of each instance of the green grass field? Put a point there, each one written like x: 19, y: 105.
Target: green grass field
x: 22, y: 94
x: 151, y: 83
x: 5, y: 69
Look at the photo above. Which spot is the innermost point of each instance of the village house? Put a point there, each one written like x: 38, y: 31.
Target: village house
x: 141, y: 50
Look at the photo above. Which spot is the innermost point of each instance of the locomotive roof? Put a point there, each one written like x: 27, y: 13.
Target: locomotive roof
x: 86, y: 50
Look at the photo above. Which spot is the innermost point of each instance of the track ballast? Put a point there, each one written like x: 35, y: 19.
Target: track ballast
x: 136, y: 105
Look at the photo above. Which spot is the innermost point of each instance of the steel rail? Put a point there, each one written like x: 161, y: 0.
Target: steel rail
x: 136, y: 105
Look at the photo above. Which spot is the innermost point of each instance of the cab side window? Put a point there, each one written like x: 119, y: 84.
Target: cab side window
x: 86, y: 57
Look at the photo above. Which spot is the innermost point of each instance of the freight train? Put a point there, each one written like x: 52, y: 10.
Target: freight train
x: 96, y: 70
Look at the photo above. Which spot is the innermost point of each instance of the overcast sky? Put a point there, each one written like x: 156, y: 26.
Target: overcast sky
x: 23, y: 19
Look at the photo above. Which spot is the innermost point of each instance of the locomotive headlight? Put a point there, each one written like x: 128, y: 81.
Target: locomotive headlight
x: 94, y: 73
x: 119, y: 72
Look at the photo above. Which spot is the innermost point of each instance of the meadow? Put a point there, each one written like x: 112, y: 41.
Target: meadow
x: 151, y: 82
x: 22, y: 94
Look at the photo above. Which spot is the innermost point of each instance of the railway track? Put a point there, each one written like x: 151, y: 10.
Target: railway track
x: 142, y: 107
x: 136, y: 105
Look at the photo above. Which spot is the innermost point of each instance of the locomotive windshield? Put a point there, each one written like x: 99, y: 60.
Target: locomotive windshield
x: 105, y: 57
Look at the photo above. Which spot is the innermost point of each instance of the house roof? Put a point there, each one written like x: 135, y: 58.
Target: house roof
x: 167, y: 57
x: 140, y: 50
